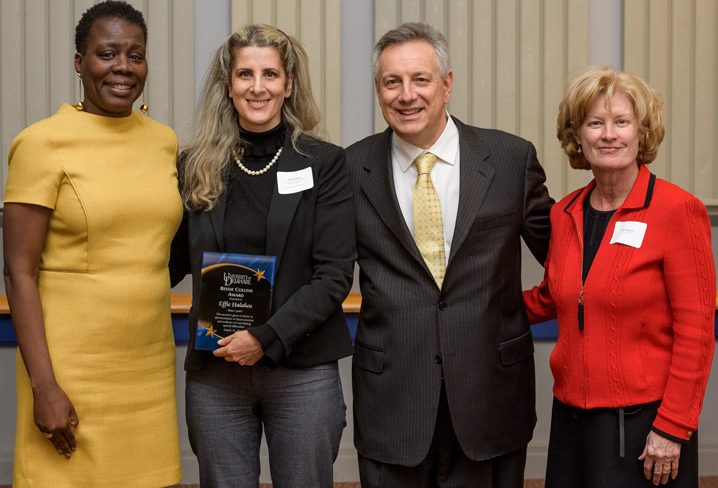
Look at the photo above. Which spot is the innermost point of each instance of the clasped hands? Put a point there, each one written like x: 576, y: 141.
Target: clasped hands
x: 240, y: 347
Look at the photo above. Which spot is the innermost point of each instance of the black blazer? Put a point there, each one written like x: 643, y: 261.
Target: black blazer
x: 312, y: 235
x: 474, y: 329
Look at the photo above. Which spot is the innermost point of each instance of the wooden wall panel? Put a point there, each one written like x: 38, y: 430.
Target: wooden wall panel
x: 317, y: 23
x: 59, y: 67
x: 482, y: 63
x: 37, y: 74
x: 459, y: 33
x: 511, y: 61
x: 575, y: 50
x: 12, y: 90
x: 705, y: 88
x: 672, y: 44
x: 37, y: 44
x: 554, y: 40
x: 181, y: 69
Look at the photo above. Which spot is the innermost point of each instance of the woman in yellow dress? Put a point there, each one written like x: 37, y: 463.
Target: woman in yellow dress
x: 91, y: 205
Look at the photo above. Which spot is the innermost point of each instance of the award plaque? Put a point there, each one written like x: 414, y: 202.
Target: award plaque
x: 235, y: 294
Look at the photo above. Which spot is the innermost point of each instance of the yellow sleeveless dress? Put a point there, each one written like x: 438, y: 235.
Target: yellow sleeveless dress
x: 104, y: 287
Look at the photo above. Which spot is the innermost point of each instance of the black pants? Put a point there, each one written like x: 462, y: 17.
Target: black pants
x: 585, y: 445
x: 446, y: 465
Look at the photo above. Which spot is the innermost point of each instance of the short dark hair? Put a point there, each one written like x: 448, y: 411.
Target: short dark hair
x: 115, y: 9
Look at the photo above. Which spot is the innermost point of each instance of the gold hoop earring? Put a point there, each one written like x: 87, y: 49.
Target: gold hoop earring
x: 79, y: 105
x: 144, y: 108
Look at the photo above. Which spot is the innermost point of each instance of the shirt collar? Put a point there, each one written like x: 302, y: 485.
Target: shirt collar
x: 445, y: 148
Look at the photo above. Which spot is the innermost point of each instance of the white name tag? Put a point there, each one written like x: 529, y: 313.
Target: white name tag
x: 294, y: 181
x: 629, y: 233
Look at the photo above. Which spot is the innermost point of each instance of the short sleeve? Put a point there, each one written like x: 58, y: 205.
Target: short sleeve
x: 34, y: 173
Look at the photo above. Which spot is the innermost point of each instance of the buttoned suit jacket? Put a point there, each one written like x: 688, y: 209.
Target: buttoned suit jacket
x: 312, y: 235
x: 474, y: 330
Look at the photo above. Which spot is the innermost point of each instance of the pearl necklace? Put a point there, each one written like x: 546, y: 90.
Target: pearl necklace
x: 259, y: 171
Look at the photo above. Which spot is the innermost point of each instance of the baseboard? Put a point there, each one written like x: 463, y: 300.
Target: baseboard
x: 708, y: 457
x: 5, y: 466
x: 190, y: 469
x: 345, y: 467
x: 536, y: 460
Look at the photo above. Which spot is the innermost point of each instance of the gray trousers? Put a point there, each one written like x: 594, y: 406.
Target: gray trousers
x: 301, y: 412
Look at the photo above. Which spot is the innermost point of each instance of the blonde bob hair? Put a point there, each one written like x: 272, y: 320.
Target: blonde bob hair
x: 583, y: 92
x: 216, y: 130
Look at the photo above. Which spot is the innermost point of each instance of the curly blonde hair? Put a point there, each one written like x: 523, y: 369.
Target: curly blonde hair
x: 582, y: 93
x: 216, y: 132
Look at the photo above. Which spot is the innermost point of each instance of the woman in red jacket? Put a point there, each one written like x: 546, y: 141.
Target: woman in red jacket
x: 631, y: 278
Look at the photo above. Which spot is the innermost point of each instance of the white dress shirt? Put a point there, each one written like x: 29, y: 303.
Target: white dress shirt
x: 445, y: 177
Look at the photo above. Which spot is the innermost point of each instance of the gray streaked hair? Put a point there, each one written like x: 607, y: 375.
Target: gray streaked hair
x: 414, y: 31
x: 216, y: 124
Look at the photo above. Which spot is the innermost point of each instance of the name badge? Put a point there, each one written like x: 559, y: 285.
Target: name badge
x: 629, y: 233
x: 294, y: 181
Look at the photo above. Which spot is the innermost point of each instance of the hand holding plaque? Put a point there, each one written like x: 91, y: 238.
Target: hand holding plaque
x: 235, y: 294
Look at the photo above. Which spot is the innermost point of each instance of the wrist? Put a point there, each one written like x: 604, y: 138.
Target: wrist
x: 43, y: 385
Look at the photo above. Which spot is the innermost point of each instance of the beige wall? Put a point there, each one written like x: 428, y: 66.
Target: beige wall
x: 36, y: 62
x: 511, y: 61
x: 673, y: 44
x: 317, y: 23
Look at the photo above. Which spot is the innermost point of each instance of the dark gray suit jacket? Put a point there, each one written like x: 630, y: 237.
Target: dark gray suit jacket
x: 312, y: 235
x: 474, y: 328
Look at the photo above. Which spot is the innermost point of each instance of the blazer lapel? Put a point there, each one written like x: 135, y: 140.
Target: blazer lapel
x: 283, y: 207
x: 378, y: 185
x: 216, y: 215
x: 474, y: 183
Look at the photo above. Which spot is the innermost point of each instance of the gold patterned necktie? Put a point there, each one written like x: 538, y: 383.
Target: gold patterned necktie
x: 428, y: 226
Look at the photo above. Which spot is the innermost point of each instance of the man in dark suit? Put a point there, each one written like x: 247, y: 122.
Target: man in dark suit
x: 443, y: 371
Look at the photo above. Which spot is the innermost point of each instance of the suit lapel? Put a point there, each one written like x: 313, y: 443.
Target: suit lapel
x: 283, y: 207
x: 378, y: 186
x: 474, y: 183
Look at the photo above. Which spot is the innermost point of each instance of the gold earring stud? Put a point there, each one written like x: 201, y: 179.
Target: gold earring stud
x: 79, y: 105
x: 144, y: 108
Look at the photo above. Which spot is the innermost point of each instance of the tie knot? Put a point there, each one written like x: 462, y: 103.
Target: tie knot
x: 425, y: 162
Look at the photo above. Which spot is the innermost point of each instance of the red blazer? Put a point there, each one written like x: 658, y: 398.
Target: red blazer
x: 648, y: 312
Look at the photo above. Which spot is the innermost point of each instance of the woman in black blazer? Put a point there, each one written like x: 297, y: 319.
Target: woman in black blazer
x: 256, y: 121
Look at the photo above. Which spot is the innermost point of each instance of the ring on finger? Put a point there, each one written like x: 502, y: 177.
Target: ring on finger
x: 48, y: 435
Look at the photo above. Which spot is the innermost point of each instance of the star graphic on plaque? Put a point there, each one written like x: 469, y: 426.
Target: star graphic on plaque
x: 259, y: 274
x: 211, y: 331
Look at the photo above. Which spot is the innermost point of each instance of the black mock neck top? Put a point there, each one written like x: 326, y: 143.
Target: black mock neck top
x: 247, y: 209
x: 595, y: 223
x: 248, y: 197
